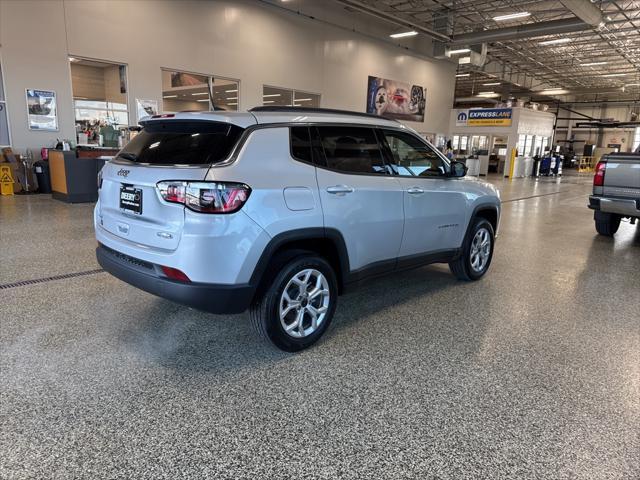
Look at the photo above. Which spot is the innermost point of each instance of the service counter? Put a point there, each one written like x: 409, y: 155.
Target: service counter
x: 73, y: 179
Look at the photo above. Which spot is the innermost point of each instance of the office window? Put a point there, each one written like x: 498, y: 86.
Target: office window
x: 352, y: 150
x: 5, y: 139
x: 183, y: 91
x: 521, y: 144
x: 275, y: 96
x: 636, y: 139
x: 99, y: 102
x: 463, y: 144
x: 455, y: 144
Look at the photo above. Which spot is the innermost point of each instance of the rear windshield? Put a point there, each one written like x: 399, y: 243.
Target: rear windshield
x: 182, y: 143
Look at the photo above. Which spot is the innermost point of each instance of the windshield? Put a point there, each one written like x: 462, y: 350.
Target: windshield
x: 175, y: 142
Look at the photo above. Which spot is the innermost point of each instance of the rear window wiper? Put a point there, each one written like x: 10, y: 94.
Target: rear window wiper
x: 128, y: 156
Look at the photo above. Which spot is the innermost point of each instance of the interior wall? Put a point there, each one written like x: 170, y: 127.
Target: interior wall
x: 243, y: 39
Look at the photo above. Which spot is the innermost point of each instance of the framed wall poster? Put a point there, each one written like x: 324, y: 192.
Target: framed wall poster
x: 42, y: 110
x: 146, y: 108
x: 396, y: 100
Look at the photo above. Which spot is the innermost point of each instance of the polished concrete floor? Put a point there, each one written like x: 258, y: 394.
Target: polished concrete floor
x: 531, y: 373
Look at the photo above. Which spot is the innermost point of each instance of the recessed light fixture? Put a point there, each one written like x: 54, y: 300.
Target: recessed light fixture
x: 271, y: 95
x: 411, y: 33
x: 592, y: 64
x: 490, y: 84
x: 460, y: 50
x: 170, y: 96
x: 462, y: 74
x: 615, y: 74
x: 557, y: 41
x: 511, y: 16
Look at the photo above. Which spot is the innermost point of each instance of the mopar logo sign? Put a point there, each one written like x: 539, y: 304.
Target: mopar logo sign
x: 461, y: 119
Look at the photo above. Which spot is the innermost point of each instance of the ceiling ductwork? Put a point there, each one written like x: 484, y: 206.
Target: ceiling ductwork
x: 528, y: 30
x: 585, y: 11
x: 374, y: 12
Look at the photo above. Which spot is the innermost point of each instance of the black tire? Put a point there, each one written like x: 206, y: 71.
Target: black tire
x: 265, y: 311
x: 462, y: 267
x: 607, y: 224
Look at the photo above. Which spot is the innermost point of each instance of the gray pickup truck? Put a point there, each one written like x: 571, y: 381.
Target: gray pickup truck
x: 616, y: 191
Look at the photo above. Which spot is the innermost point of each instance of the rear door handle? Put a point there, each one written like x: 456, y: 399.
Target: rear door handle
x: 415, y: 191
x: 339, y: 189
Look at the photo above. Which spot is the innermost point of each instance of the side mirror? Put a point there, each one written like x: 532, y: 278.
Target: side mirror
x: 458, y: 169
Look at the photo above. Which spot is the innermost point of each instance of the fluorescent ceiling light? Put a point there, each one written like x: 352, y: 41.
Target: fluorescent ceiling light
x: 591, y: 64
x: 488, y: 95
x: 511, y: 16
x: 615, y: 75
x: 404, y: 34
x: 553, y: 91
x: 557, y: 41
x: 203, y: 100
x: 460, y: 50
x: 271, y: 95
x: 463, y: 74
x: 303, y: 99
x: 232, y: 98
x: 200, y: 93
x: 269, y: 101
x: 170, y: 96
x: 234, y: 103
x: 490, y: 84
x: 231, y: 91
x: 73, y: 59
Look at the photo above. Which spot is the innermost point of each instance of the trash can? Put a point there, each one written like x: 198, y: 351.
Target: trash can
x: 41, y: 170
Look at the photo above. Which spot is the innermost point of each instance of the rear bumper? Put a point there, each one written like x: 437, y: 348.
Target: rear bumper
x: 214, y: 298
x: 621, y: 206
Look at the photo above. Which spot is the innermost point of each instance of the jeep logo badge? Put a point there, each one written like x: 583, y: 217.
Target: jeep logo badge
x: 123, y: 173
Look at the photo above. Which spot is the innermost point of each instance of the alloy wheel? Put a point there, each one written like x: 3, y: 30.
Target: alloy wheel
x: 304, y: 303
x: 480, y: 250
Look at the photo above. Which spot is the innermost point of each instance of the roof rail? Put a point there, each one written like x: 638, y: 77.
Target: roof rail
x: 283, y: 109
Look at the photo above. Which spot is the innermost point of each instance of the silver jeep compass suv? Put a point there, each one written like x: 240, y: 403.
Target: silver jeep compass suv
x: 279, y: 210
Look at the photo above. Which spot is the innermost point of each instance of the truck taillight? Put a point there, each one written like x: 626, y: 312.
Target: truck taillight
x: 206, y: 197
x: 598, y: 178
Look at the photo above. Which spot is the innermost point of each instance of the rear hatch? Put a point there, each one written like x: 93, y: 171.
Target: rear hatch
x: 622, y: 175
x: 130, y: 204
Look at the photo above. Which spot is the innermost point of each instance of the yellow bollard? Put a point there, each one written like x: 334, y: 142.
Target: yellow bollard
x: 6, y: 180
x: 512, y: 163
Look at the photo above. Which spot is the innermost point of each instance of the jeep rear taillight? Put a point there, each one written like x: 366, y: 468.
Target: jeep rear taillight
x: 206, y: 197
x: 598, y: 178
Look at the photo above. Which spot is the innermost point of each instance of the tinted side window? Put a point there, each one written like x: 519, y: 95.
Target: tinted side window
x: 301, y: 144
x: 352, y: 149
x: 411, y: 157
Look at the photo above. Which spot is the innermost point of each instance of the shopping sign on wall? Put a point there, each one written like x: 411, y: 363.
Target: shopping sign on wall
x: 484, y: 117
